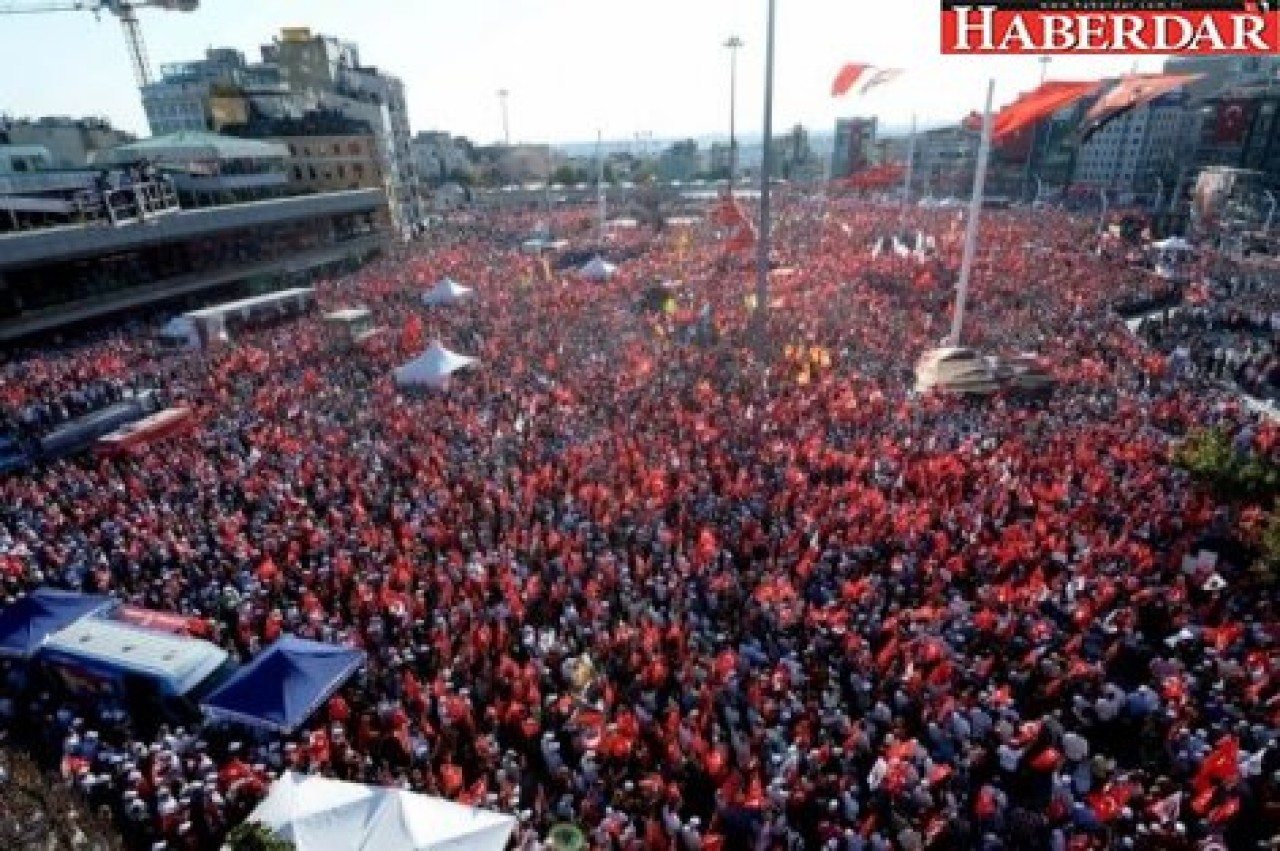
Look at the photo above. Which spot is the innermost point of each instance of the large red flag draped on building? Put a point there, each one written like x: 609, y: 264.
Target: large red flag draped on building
x: 1231, y: 121
x: 1037, y: 105
x: 860, y: 78
x: 1129, y: 93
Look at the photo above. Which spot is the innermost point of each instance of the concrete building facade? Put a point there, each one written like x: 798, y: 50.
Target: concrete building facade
x: 71, y: 142
x: 854, y: 147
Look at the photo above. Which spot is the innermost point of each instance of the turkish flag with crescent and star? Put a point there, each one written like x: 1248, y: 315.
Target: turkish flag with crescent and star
x: 1233, y: 121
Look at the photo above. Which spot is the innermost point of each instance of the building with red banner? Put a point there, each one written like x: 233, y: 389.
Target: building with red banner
x: 1241, y: 129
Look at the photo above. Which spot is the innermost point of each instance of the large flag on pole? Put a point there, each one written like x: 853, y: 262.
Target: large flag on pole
x: 1037, y: 105
x: 1130, y: 93
x: 860, y: 78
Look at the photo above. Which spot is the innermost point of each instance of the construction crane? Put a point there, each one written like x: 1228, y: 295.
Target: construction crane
x: 125, y: 10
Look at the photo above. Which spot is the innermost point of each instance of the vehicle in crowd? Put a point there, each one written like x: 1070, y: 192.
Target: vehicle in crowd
x: 82, y: 432
x: 955, y: 369
x: 351, y: 326
x: 155, y: 675
x: 13, y: 455
x: 148, y: 431
x: 1026, y: 372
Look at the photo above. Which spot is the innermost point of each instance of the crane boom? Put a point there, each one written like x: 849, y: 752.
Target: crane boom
x: 18, y: 7
x: 125, y: 10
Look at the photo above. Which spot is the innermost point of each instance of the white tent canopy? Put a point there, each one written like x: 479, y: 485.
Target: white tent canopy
x: 447, y: 291
x: 319, y: 814
x: 598, y: 269
x: 432, y: 368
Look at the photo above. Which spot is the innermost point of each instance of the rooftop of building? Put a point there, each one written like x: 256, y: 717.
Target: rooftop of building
x: 188, y: 145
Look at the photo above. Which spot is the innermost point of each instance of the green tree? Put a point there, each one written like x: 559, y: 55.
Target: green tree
x: 255, y: 836
x: 38, y: 810
x: 1231, y: 474
x: 565, y: 175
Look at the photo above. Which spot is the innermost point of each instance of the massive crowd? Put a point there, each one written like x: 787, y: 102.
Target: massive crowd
x: 745, y: 593
x: 1228, y: 334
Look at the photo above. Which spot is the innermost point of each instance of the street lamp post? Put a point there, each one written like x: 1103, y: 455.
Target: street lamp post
x: 766, y: 175
x: 733, y: 44
x: 506, y: 125
x: 971, y: 226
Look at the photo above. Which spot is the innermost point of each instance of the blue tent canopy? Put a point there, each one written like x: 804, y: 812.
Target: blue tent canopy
x: 284, y: 685
x: 28, y: 622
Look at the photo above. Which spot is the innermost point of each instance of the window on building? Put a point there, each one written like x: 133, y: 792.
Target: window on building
x: 293, y: 151
x: 358, y: 170
x: 297, y: 173
x: 342, y: 172
x: 354, y: 149
x: 312, y: 170
x: 306, y: 151
x: 337, y: 149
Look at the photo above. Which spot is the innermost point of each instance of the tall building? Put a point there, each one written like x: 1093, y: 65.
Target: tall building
x: 328, y: 70
x: 855, y: 141
x: 439, y: 157
x: 945, y: 159
x: 300, y: 73
x: 1141, y: 152
x: 1223, y: 72
x: 71, y: 142
x: 1241, y: 131
x: 328, y: 151
x: 681, y: 161
x: 208, y: 93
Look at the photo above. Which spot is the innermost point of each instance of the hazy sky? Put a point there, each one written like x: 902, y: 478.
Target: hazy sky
x: 572, y: 66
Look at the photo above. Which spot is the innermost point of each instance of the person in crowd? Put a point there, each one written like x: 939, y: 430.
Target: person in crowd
x: 735, y: 589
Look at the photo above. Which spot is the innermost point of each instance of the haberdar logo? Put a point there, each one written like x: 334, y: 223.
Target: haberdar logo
x: 1207, y: 27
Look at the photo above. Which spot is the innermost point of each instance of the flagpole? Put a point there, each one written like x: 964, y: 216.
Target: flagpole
x: 766, y: 174
x: 975, y: 211
x: 911, y: 164
x: 600, y: 182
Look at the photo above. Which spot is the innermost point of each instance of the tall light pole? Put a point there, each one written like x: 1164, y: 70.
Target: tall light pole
x: 506, y: 124
x: 971, y: 226
x: 733, y: 44
x: 911, y: 164
x: 766, y: 174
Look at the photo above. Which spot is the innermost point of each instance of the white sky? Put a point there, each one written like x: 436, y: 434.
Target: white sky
x: 572, y: 66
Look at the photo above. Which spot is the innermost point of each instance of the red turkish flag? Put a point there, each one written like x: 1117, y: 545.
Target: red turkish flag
x: 1233, y: 120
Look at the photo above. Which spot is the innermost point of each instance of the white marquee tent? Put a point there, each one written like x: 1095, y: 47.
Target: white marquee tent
x: 432, y: 368
x: 447, y: 291
x: 319, y: 814
x: 598, y: 269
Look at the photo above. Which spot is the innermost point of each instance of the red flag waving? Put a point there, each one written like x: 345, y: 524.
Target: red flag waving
x: 1222, y: 765
x: 1037, y: 105
x: 1131, y: 92
x: 412, y: 336
x: 860, y: 78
